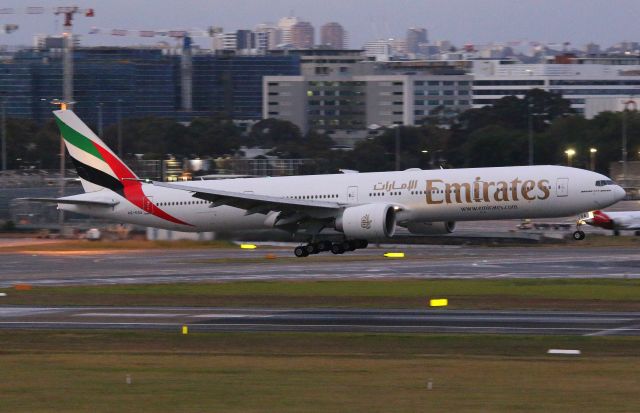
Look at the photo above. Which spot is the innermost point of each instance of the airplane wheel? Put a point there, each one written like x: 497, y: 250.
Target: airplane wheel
x: 616, y: 233
x: 637, y: 233
x: 361, y: 243
x: 349, y: 245
x: 324, y: 246
x: 337, y: 249
x: 579, y: 235
x: 300, y: 251
x: 312, y: 249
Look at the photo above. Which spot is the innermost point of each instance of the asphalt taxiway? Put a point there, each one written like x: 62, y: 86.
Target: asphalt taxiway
x: 321, y: 320
x: 102, y: 267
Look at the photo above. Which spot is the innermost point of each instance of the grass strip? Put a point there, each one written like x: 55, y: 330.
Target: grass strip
x: 260, y: 372
x: 534, y: 293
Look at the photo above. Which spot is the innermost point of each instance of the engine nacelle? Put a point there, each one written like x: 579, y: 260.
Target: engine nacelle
x: 431, y: 228
x: 368, y: 222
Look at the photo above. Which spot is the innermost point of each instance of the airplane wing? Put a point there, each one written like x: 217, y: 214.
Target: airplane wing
x: 71, y: 201
x: 253, y: 203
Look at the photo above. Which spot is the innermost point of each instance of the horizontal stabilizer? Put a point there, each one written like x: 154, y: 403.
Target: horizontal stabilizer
x: 72, y: 201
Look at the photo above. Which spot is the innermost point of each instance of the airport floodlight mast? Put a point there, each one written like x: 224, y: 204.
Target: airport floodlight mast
x: 67, y: 83
x: 634, y: 106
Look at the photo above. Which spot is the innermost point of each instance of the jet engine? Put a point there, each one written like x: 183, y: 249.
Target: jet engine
x: 432, y: 228
x: 372, y: 221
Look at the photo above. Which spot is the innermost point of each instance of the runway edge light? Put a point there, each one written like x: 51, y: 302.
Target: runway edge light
x: 185, y: 330
x: 564, y: 351
x: 394, y: 254
x: 438, y: 302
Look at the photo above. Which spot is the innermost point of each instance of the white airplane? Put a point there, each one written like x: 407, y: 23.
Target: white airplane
x: 615, y: 221
x: 360, y: 206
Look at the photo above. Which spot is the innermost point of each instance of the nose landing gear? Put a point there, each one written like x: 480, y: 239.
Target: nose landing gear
x: 578, y: 234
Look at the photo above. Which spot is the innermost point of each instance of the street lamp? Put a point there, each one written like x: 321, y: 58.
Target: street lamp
x: 3, y: 102
x: 530, y: 116
x: 100, y: 132
x: 633, y: 104
x: 397, y: 143
x: 592, y: 158
x: 119, y: 114
x: 570, y: 153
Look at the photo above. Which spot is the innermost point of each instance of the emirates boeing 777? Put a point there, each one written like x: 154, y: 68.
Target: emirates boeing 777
x: 360, y: 206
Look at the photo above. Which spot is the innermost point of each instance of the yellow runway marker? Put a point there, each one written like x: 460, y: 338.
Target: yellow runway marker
x: 248, y: 246
x: 394, y: 255
x: 185, y: 330
x: 438, y: 302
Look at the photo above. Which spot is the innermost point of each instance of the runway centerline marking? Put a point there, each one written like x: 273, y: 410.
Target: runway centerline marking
x: 611, y: 331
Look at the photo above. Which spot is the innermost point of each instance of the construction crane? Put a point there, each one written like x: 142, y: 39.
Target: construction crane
x: 67, y: 51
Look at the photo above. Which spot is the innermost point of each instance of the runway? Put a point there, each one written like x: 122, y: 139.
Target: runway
x: 104, y: 267
x: 321, y: 320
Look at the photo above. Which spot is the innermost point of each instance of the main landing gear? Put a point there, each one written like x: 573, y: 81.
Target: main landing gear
x: 335, y: 247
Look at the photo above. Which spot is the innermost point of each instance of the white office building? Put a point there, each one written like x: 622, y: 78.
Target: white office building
x: 495, y: 79
x: 357, y: 102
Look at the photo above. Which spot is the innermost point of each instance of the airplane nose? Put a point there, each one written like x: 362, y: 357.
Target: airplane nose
x: 619, y: 193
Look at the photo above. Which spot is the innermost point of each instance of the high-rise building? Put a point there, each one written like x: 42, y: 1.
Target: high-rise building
x: 333, y: 35
x: 302, y: 35
x: 245, y: 39
x: 415, y: 37
x: 267, y: 37
x: 225, y: 41
x: 285, y: 24
x: 379, y: 49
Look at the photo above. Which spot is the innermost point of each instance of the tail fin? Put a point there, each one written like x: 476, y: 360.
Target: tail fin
x: 98, y: 167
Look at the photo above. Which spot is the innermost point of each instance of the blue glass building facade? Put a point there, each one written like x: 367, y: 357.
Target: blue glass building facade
x: 233, y: 84
x: 138, y: 82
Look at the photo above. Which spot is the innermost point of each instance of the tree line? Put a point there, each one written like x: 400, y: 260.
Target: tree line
x: 490, y: 136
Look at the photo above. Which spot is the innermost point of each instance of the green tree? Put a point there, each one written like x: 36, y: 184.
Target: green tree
x: 270, y: 132
x: 213, y: 136
x: 495, y: 146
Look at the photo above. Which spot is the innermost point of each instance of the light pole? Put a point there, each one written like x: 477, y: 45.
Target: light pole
x: 4, y: 132
x: 592, y: 158
x: 100, y: 105
x: 569, y: 153
x: 61, y: 189
x: 119, y: 128
x: 624, y: 137
x: 397, y: 147
x: 530, y: 116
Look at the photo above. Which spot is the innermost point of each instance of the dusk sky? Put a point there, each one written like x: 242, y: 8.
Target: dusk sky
x: 461, y: 21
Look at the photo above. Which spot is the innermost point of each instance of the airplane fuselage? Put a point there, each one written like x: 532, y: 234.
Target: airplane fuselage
x: 417, y: 195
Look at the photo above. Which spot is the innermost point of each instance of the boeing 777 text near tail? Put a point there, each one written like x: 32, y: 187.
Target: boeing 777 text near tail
x: 360, y: 206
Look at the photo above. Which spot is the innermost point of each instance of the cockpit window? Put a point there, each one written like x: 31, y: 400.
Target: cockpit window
x: 605, y: 182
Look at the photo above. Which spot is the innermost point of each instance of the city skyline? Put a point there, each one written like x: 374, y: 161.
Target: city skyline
x: 491, y: 21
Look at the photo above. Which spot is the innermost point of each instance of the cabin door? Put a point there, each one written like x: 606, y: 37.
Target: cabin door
x: 562, y: 187
x: 352, y: 195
